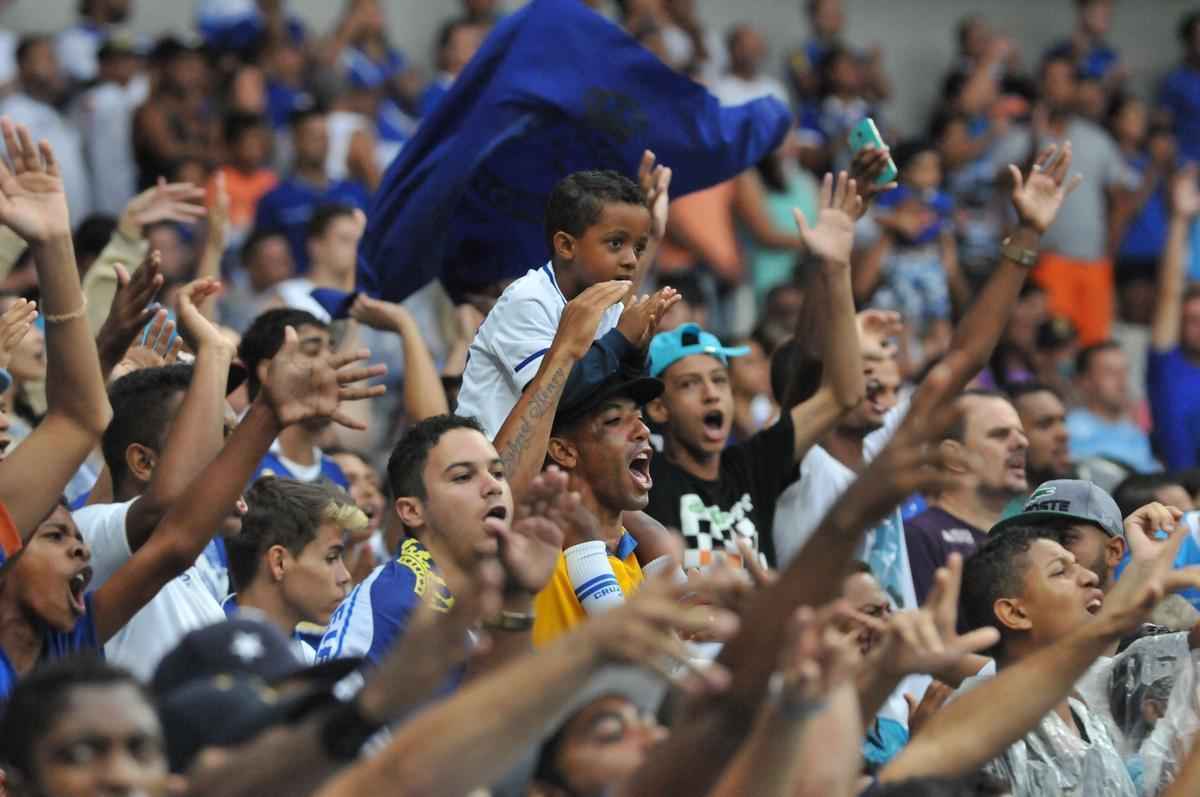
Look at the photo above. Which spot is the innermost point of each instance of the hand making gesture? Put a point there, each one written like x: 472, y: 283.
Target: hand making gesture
x: 639, y: 322
x: 581, y: 317
x: 300, y: 387
x: 14, y: 326
x: 656, y: 183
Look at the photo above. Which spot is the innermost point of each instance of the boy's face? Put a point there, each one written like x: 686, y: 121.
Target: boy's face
x: 1058, y: 596
x: 925, y: 171
x: 317, y: 580
x: 610, y: 248
x: 697, y: 402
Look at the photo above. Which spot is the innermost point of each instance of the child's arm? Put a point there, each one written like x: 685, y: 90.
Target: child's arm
x: 656, y: 183
x: 523, y: 438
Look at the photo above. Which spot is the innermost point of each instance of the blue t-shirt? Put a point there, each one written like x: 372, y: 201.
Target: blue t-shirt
x: 1188, y: 555
x: 376, y: 613
x: 1181, y: 96
x: 282, y: 102
x: 289, y: 206
x: 432, y: 97
x: 1095, y: 64
x: 1092, y: 436
x: 243, y: 32
x: 1146, y: 236
x: 272, y: 465
x: 57, y: 645
x: 1173, y: 386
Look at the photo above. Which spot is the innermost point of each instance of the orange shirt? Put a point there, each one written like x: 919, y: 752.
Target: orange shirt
x: 10, y: 538
x: 244, y: 191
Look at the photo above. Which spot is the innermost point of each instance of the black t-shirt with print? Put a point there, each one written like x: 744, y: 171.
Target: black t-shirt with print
x: 741, y: 503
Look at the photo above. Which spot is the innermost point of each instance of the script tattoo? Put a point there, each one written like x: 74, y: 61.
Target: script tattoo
x: 545, y: 399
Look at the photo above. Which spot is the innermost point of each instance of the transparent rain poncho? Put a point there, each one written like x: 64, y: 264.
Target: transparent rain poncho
x: 1052, y: 760
x: 1130, y: 694
x: 1165, y: 750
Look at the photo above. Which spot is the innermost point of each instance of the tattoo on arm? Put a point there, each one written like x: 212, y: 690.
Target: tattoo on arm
x: 545, y: 399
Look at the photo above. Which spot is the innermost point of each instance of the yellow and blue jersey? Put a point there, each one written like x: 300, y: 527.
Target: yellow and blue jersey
x: 557, y: 608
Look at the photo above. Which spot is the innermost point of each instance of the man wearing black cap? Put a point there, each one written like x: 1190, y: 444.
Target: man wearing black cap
x: 602, y: 443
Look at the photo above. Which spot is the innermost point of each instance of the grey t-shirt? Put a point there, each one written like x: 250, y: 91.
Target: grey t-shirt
x: 1081, y: 230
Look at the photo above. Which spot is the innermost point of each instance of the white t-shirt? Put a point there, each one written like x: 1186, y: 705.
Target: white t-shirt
x: 507, y: 350
x: 823, y: 479
x: 185, y: 604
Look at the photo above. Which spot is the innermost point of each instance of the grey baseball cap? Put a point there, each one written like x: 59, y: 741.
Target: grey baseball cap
x: 1069, y: 498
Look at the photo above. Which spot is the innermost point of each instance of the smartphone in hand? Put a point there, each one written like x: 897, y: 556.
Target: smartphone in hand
x: 865, y: 134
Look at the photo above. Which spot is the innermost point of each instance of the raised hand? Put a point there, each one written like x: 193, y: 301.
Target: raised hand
x: 379, y: 314
x: 196, y: 330
x: 639, y: 321
x: 159, y: 347
x: 1144, y: 524
x: 581, y: 317
x: 14, y: 326
x: 937, y: 694
x: 926, y: 639
x: 32, y: 199
x: 130, y: 311
x: 180, y: 202
x: 530, y: 547
x: 868, y: 163
x: 833, y: 237
x: 878, y: 328
x: 1150, y: 576
x: 1185, y: 193
x: 646, y: 629
x: 300, y: 387
x: 816, y: 658
x: 656, y: 183
x: 1038, y: 197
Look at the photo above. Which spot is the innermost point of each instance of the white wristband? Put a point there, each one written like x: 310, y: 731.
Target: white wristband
x: 596, y: 586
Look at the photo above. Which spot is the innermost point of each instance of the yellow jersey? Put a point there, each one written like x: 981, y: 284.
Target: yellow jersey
x: 557, y: 610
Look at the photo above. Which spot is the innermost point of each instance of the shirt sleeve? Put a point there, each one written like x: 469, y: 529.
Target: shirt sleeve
x: 372, y: 618
x: 103, y: 529
x: 100, y: 282
x: 608, y: 355
x: 522, y: 336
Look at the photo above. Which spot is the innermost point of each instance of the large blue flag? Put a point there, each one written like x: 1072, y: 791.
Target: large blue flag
x: 554, y: 89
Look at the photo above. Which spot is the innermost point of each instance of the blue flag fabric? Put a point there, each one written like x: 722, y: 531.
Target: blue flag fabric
x: 555, y: 88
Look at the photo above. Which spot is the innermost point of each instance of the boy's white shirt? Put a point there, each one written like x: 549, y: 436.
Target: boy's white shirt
x: 508, y: 348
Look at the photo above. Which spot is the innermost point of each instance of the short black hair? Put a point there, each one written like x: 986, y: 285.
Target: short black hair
x: 281, y: 512
x: 406, y: 465
x: 1186, y: 27
x: 323, y: 217
x: 42, y: 697
x: 264, y: 339
x: 1083, y: 360
x: 1138, y: 489
x: 1055, y: 57
x: 1022, y: 389
x: 140, y: 403
x: 907, y: 151
x: 306, y: 111
x: 92, y: 235
x: 578, y: 200
x: 238, y: 123
x: 255, y: 239
x: 942, y: 121
x: 996, y: 570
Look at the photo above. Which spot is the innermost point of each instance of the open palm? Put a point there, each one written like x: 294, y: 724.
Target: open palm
x: 833, y: 237
x: 32, y: 199
x: 1039, y: 196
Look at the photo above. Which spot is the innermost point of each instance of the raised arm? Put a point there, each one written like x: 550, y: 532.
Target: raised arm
x: 954, y: 742
x: 215, y: 239
x: 475, y: 736
x: 33, y: 204
x: 1172, y: 276
x: 523, y: 438
x: 178, y: 202
x: 842, y: 375
x: 297, y: 388
x: 423, y: 393
x: 1037, y: 199
x: 196, y: 434
x: 808, y: 733
x: 694, y: 757
x: 656, y: 184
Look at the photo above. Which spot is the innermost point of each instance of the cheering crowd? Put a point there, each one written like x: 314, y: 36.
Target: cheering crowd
x: 872, y: 468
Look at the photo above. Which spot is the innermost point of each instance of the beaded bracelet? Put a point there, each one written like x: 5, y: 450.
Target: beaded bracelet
x: 62, y: 318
